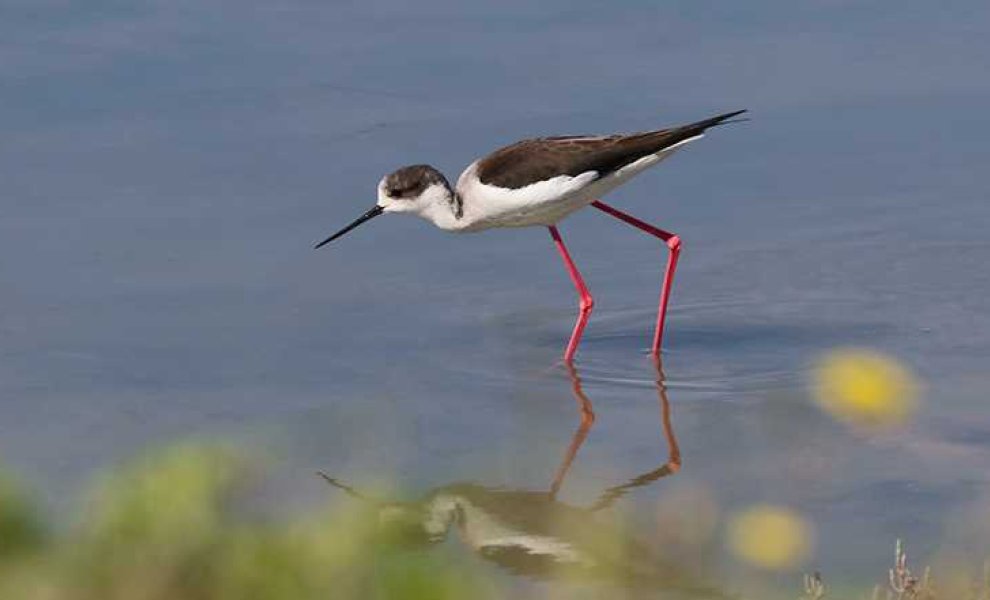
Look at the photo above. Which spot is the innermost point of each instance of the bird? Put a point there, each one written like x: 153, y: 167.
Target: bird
x: 538, y: 182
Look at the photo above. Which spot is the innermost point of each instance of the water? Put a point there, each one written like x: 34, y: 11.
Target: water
x: 167, y: 166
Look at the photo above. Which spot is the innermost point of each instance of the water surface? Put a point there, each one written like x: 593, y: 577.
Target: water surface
x: 167, y: 166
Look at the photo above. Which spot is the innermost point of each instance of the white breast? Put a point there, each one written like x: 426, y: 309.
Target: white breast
x: 541, y: 203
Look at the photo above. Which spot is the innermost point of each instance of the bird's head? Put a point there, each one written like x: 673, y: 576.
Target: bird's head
x: 413, y: 189
x: 417, y: 189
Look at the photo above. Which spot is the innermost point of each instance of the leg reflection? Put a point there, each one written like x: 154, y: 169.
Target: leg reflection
x: 673, y: 463
x: 670, y: 466
x: 587, y: 420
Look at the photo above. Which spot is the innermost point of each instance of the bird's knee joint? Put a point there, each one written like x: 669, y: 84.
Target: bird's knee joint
x: 674, y: 243
x: 587, y: 304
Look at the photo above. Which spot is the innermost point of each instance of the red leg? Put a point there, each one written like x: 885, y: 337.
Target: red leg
x: 587, y: 302
x: 673, y: 242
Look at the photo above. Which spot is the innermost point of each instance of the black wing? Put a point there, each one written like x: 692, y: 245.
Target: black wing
x: 531, y: 161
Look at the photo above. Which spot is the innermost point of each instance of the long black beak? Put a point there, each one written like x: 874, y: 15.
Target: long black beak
x: 371, y: 214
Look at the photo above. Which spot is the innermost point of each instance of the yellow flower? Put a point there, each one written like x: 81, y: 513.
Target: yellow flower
x: 865, y: 388
x: 770, y: 537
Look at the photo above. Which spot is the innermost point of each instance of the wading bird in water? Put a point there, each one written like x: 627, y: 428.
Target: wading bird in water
x: 539, y: 182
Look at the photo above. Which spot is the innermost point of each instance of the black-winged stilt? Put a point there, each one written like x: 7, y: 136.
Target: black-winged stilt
x: 539, y: 182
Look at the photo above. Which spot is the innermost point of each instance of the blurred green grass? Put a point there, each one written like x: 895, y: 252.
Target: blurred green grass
x: 176, y: 524
x: 172, y: 525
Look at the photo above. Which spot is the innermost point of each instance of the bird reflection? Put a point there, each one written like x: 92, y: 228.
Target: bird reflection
x: 533, y: 533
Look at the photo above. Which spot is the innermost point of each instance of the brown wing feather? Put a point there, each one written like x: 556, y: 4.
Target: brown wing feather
x: 534, y: 160
x: 537, y: 159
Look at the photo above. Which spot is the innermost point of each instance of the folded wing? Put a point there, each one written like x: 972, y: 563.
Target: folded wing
x: 535, y: 160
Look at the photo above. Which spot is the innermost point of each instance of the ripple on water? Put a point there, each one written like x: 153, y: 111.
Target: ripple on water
x: 718, y: 345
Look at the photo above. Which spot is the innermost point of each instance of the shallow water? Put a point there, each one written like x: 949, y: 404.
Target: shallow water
x: 167, y: 166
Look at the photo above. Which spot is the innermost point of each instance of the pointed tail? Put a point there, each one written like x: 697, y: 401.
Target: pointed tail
x: 699, y: 127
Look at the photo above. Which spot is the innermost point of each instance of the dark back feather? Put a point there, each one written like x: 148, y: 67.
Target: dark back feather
x: 534, y: 160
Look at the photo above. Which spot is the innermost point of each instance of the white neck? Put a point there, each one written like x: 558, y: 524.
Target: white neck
x: 441, y: 209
